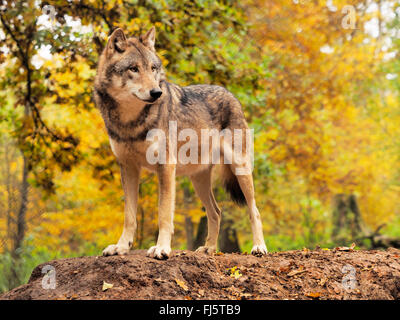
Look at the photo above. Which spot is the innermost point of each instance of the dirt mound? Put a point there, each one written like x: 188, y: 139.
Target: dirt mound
x: 319, y: 274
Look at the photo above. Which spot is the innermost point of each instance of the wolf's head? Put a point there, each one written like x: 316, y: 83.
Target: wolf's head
x: 129, y: 68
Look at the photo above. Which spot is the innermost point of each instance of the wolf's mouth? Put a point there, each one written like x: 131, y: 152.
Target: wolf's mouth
x: 148, y: 101
x: 151, y: 100
x: 145, y: 100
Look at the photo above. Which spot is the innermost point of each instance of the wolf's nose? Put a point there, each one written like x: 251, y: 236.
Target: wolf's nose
x: 155, y: 93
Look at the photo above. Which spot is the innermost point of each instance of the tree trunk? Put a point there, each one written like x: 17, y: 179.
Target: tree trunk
x: 140, y: 232
x: 189, y: 233
x: 9, y: 195
x: 201, y: 233
x: 187, y: 199
x: 347, y: 221
x: 228, y: 241
x: 14, y: 276
x: 21, y: 217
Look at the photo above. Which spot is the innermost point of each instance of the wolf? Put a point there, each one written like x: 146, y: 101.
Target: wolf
x: 134, y: 97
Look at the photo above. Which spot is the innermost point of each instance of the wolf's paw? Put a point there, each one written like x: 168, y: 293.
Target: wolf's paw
x: 115, y: 249
x: 206, y: 250
x: 159, y: 252
x: 259, y: 251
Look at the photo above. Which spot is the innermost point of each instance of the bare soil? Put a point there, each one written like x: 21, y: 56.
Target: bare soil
x: 319, y: 274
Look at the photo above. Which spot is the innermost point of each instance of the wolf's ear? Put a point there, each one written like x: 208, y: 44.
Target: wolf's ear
x: 149, y: 38
x: 116, y: 43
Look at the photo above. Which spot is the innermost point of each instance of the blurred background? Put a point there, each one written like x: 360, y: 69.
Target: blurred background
x: 318, y: 81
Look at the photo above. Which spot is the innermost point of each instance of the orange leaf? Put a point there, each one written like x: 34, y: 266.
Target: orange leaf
x: 313, y: 294
x: 182, y: 284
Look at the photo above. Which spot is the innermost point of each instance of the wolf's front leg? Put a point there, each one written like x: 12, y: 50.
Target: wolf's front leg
x: 166, y: 206
x: 130, y: 183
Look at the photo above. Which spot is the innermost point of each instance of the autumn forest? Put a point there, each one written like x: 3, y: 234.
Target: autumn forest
x: 319, y: 82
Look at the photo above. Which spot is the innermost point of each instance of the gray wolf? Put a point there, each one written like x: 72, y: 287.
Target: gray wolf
x: 134, y: 97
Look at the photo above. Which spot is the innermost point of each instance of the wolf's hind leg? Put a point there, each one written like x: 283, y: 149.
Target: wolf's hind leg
x: 202, y: 186
x: 130, y: 183
x: 246, y: 184
x: 242, y: 171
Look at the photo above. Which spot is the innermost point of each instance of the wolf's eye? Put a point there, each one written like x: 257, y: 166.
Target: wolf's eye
x: 153, y: 68
x: 134, y: 68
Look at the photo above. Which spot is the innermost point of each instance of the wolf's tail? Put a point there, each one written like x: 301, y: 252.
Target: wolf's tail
x: 231, y: 185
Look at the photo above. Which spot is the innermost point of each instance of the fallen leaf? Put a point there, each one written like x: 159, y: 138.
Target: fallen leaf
x: 313, y: 294
x: 182, y: 284
x: 284, y: 269
x: 107, y: 286
x: 234, y: 272
x: 306, y: 252
x: 322, y: 281
x: 296, y: 272
x: 351, y: 248
x: 366, y: 268
x: 201, y: 292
